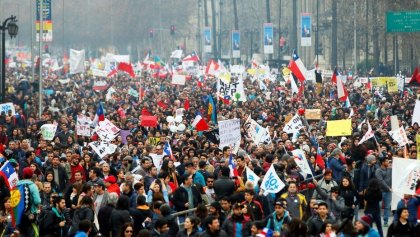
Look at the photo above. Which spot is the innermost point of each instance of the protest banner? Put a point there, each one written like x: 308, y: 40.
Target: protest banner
x: 418, y: 146
x: 301, y: 161
x: 416, y: 113
x: 229, y: 132
x: 339, y: 128
x: 77, y: 61
x: 100, y: 85
x: 6, y: 107
x: 48, y: 131
x: 295, y: 124
x: 234, y: 89
x: 399, y: 136
x: 258, y: 133
x: 178, y: 79
x: 83, y: 126
x: 106, y: 130
x: 313, y: 114
x: 271, y: 182
x: 405, y: 173
x: 154, y: 140
x: 103, y: 148
x: 99, y: 73
x: 392, y: 85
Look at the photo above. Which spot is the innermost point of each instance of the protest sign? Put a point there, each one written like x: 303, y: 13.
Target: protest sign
x: 416, y: 113
x: 6, y: 107
x: 48, y: 131
x: 229, y: 132
x: 301, y: 161
x: 234, y: 89
x: 124, y: 134
x: 103, y: 148
x: 392, y: 84
x: 99, y: 73
x: 399, y: 136
x: 313, y: 114
x: 271, y: 182
x: 178, y: 79
x: 154, y: 140
x: 405, y: 173
x: 77, y: 61
x: 418, y: 146
x: 258, y: 133
x: 339, y: 128
x: 83, y: 126
x: 106, y: 130
x: 294, y: 125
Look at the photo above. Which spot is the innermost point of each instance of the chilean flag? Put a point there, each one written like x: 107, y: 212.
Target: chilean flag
x: 297, y: 67
x: 233, y: 170
x: 341, y: 91
x: 9, y: 175
x: 192, y: 57
x: 100, y: 115
x: 334, y: 76
x: 319, y: 160
x: 212, y: 68
x: 200, y: 124
x: 167, y: 151
x: 126, y: 67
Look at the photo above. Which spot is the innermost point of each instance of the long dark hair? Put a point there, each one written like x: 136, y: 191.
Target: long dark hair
x: 297, y: 228
x: 123, y: 203
x: 128, y: 224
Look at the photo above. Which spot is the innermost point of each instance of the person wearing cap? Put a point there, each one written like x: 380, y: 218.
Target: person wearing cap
x: 279, y: 218
x: 100, y: 196
x: 367, y: 172
x: 25, y: 226
x: 401, y: 226
x: 364, y: 227
x: 111, y: 185
x: 334, y: 200
x: 237, y: 225
x: 215, y: 209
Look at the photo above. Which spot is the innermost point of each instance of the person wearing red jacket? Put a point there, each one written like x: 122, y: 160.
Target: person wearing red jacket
x: 75, y: 167
x: 111, y: 185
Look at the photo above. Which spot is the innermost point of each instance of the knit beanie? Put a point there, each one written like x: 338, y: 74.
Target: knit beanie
x: 27, y: 173
x: 366, y: 220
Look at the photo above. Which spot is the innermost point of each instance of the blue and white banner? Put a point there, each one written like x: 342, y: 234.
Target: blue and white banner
x: 236, y: 43
x: 271, y: 182
x: 268, y: 38
x: 251, y: 176
x: 306, y: 30
x: 207, y: 40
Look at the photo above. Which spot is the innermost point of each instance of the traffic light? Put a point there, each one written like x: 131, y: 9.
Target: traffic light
x: 151, y: 33
x: 172, y: 30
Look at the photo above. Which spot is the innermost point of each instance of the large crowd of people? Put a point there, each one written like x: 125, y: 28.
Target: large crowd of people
x: 74, y: 192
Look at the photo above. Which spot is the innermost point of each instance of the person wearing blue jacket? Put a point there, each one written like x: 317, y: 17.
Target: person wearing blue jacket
x: 279, y: 217
x: 411, y: 203
x: 335, y: 165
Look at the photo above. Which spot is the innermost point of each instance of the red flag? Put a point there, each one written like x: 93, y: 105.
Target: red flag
x: 415, y: 79
x: 126, y: 67
x: 225, y: 99
x: 334, y: 76
x: 319, y: 160
x: 342, y: 93
x: 148, y: 121
x: 369, y: 85
x: 200, y: 124
x: 187, y: 104
x: 162, y: 104
x: 145, y: 112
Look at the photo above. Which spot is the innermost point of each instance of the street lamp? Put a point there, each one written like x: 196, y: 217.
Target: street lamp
x: 10, y: 25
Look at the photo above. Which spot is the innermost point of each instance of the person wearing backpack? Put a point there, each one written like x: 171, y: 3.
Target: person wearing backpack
x: 402, y: 227
x: 85, y: 212
x: 27, y: 225
x: 55, y: 221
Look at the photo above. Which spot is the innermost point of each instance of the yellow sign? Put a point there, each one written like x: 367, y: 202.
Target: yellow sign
x: 313, y: 114
x: 337, y: 128
x: 392, y: 84
x: 154, y: 140
x: 286, y: 71
x: 14, y: 198
x: 418, y: 146
x: 379, y: 81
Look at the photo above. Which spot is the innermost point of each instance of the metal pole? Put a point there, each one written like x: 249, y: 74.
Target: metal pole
x: 3, y: 64
x: 41, y: 38
x: 279, y: 28
x: 32, y: 40
x: 220, y: 28
x: 355, y: 37
x: 317, y: 33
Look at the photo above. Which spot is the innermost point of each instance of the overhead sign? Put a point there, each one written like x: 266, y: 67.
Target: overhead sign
x: 403, y: 21
x: 46, y: 20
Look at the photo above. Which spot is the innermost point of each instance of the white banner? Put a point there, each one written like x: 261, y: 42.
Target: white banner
x: 106, y: 130
x: 405, y: 173
x: 6, y: 107
x: 103, y: 148
x: 416, y: 113
x: 83, y: 125
x: 258, y: 133
x: 178, y: 79
x: 271, y: 182
x: 294, y: 125
x: 399, y: 136
x: 229, y: 132
x: 77, y: 61
x: 99, y: 72
x: 234, y: 90
x: 48, y: 131
x: 302, y: 162
x: 251, y: 176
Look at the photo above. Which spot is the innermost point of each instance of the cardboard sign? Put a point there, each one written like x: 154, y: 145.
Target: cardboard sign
x: 313, y: 114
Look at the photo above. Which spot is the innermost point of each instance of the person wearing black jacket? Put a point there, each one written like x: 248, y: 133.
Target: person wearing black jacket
x: 187, y: 195
x: 224, y: 186
x: 104, y: 215
x: 140, y: 214
x: 55, y: 220
x: 120, y: 215
x: 60, y: 175
x: 402, y: 227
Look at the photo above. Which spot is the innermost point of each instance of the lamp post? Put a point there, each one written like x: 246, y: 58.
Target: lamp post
x: 10, y: 25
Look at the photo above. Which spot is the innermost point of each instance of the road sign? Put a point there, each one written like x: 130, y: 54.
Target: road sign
x: 403, y: 21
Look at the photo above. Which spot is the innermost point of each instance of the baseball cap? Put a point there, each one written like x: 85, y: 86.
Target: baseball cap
x: 110, y: 179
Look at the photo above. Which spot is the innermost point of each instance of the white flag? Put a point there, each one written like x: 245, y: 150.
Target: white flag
x: 251, y: 176
x: 176, y: 54
x: 293, y: 85
x: 271, y: 182
x: 103, y: 148
x: 77, y: 61
x: 48, y: 131
x: 399, y: 136
x: 109, y: 93
x: 294, y: 125
x: 302, y: 162
x: 369, y: 134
